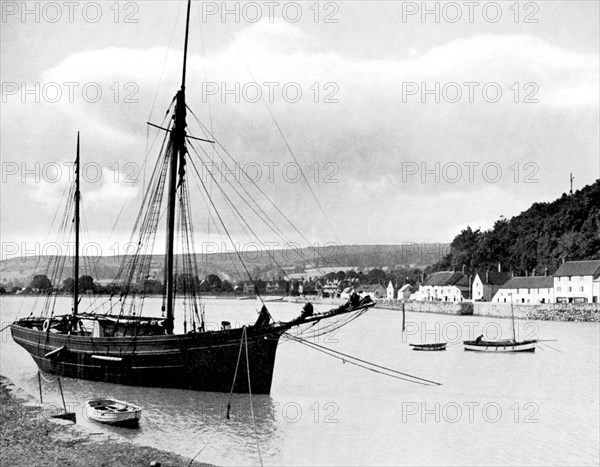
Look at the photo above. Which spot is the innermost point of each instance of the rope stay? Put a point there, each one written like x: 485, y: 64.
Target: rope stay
x: 345, y: 358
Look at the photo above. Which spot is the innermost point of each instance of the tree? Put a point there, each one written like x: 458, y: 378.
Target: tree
x: 464, y: 248
x: 186, y: 283
x: 153, y: 287
x: 86, y: 283
x: 375, y: 276
x: 214, y: 282
x: 41, y: 282
x: 67, y: 285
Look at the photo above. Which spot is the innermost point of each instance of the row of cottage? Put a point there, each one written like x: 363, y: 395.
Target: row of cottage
x: 573, y: 282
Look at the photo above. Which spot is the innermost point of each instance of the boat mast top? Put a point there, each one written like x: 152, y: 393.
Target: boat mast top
x: 176, y: 167
x: 185, y: 46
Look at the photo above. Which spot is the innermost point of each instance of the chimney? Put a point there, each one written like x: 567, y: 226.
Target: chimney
x: 526, y: 273
x: 499, y: 267
x: 487, y: 276
x: 563, y: 260
x: 546, y: 272
x: 533, y: 272
x: 512, y: 274
x: 463, y: 269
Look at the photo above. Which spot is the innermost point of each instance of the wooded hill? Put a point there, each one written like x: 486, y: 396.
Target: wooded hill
x: 538, y: 238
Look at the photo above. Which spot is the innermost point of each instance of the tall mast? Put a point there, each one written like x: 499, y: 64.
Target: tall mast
x: 177, y: 160
x: 76, y: 259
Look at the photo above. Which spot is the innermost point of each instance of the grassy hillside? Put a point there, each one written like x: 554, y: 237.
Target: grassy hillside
x: 262, y: 264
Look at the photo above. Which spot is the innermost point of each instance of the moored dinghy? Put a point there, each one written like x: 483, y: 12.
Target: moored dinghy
x: 113, y: 412
x: 436, y: 346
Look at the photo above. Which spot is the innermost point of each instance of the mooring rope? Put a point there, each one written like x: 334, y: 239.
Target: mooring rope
x: 228, y: 401
x: 237, y: 365
x: 245, y: 337
x: 345, y: 358
x: 46, y: 379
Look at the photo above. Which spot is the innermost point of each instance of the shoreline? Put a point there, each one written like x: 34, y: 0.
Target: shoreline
x: 570, y: 312
x: 29, y: 437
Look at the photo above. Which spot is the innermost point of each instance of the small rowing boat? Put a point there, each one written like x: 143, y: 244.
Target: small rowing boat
x: 113, y: 412
x: 437, y: 346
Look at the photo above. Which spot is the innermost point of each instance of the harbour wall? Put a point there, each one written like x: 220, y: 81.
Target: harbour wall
x: 444, y: 308
x: 543, y: 311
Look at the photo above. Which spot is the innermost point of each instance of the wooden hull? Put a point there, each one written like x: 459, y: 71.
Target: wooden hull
x: 129, y: 416
x: 203, y: 361
x: 500, y: 347
x: 429, y: 347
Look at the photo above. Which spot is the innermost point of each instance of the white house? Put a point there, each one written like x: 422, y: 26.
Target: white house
x: 375, y: 291
x: 444, y: 286
x: 390, y: 291
x: 526, y: 290
x: 487, y: 283
x: 577, y: 281
x: 404, y: 292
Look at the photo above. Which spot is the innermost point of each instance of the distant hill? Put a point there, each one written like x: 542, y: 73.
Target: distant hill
x: 540, y: 237
x: 261, y: 264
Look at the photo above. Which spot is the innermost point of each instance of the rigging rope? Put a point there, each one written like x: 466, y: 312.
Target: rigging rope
x: 247, y: 177
x: 262, y: 98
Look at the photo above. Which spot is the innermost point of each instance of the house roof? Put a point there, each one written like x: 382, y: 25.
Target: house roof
x: 493, y: 277
x: 579, y: 268
x: 532, y: 282
x: 405, y: 287
x: 370, y: 287
x: 445, y: 278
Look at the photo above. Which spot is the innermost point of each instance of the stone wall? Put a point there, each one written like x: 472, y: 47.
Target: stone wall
x: 446, y: 308
x: 541, y: 311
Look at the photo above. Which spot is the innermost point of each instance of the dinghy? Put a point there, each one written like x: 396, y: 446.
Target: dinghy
x: 113, y: 412
x: 437, y: 346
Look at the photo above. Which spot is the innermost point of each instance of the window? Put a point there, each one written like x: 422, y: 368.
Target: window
x: 570, y: 289
x: 581, y: 289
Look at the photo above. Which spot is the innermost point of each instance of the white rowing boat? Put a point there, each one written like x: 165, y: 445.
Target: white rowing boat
x: 113, y: 412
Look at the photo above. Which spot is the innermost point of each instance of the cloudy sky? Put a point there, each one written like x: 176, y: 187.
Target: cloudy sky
x: 408, y: 127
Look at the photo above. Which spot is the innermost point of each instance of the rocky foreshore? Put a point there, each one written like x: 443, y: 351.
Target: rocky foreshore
x: 29, y: 438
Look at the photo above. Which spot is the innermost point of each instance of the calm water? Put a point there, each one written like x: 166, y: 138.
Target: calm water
x: 514, y: 409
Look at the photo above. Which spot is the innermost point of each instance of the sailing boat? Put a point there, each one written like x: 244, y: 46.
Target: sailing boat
x: 504, y: 345
x: 125, y: 346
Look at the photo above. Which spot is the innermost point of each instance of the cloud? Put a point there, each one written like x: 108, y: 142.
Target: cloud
x: 370, y: 129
